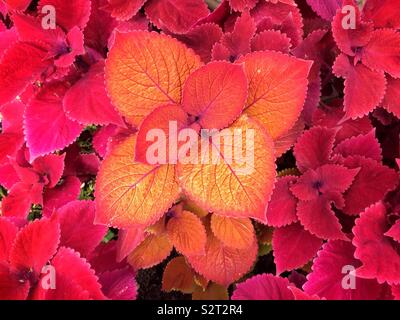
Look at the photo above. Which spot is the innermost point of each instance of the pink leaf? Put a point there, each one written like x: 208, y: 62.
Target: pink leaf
x: 77, y: 228
x: 119, y: 284
x: 263, y: 287
x: 87, y: 101
x: 201, y: 39
x: 318, y: 218
x: 371, y: 184
x: 47, y: 128
x: 35, y: 245
x: 314, y: 148
x: 69, y: 13
x: 382, y: 52
x: 60, y: 195
x: 362, y: 145
x: 176, y: 16
x: 378, y: 253
x: 49, y: 167
x: 391, y: 102
x: 271, y: 40
x: 282, y: 206
x: 293, y: 247
x: 242, y: 5
x: 329, y: 275
x: 326, y: 9
x: 74, y: 277
x: 238, y: 42
x: 364, y: 88
x: 8, y: 232
x: 124, y: 10
x: 19, y: 199
x: 16, y: 71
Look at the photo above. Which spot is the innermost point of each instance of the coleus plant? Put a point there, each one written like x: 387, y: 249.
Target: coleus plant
x: 151, y: 91
x: 78, y: 102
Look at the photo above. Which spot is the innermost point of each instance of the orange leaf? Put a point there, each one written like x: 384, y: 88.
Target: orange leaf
x: 191, y: 206
x: 129, y: 193
x: 201, y: 281
x: 240, y: 186
x: 187, y: 233
x: 222, y: 264
x: 233, y: 232
x: 277, y: 89
x: 153, y: 250
x: 213, y: 292
x: 178, y: 276
x: 145, y: 70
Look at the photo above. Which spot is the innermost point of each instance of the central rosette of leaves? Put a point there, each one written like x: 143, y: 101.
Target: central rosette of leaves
x: 154, y: 80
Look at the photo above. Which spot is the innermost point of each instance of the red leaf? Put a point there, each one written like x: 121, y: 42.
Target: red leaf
x: 124, y: 10
x: 382, y: 52
x: 326, y: 9
x: 19, y: 199
x: 364, y: 88
x: 362, y: 145
x: 119, y: 284
x: 176, y: 16
x: 11, y: 288
x: 17, y: 5
x: 350, y: 40
x: 77, y: 229
x: 242, y: 5
x: 239, y: 40
x: 327, y: 276
x: 285, y: 17
x: 384, y: 13
x: 8, y: 232
x: 87, y: 101
x: 263, y: 287
x: 60, y: 195
x: 282, y: 206
x: 378, y: 254
x: 392, y: 97
x: 325, y: 180
x: 73, y: 13
x: 50, y: 168
x: 318, y: 218
x: 394, y: 231
x: 215, y: 94
x: 271, y: 40
x: 8, y: 176
x: 201, y: 39
x: 16, y: 71
x: 74, y: 277
x: 47, y: 128
x: 35, y: 245
x: 293, y: 247
x: 314, y: 148
x: 371, y: 184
